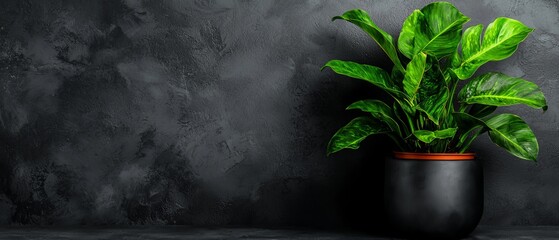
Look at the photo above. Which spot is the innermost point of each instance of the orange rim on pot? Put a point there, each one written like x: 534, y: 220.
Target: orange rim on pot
x: 435, y: 156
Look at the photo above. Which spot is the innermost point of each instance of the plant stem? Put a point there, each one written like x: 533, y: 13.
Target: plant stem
x: 467, y: 144
x: 396, y: 141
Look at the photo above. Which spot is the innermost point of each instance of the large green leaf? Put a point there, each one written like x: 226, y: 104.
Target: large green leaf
x: 434, y: 106
x: 361, y: 19
x: 471, y: 43
x: 514, y: 135
x: 414, y: 74
x: 427, y: 136
x: 500, y: 40
x: 371, y: 74
x: 506, y: 130
x: 497, y: 89
x: 433, y: 95
x: 406, y: 40
x: 379, y: 110
x: 351, y: 135
x: 455, y: 60
x: 435, y: 30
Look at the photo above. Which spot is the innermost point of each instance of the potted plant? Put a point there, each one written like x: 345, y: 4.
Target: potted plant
x: 433, y: 185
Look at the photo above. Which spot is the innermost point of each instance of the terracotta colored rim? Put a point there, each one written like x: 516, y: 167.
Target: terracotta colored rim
x: 435, y: 156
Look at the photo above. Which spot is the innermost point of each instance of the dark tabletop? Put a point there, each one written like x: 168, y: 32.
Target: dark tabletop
x: 183, y: 232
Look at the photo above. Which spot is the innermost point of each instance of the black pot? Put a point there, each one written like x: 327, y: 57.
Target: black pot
x: 433, y: 198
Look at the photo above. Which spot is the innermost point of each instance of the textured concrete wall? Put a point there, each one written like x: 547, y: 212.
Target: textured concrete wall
x: 215, y: 112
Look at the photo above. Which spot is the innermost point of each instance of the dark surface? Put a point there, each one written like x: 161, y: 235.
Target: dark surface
x: 215, y: 112
x: 434, y: 199
x: 183, y: 232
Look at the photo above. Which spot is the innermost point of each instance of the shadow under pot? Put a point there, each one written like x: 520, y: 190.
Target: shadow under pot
x: 433, y: 195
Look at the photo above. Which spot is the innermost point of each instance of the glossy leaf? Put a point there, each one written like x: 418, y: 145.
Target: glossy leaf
x: 414, y: 74
x: 433, y: 95
x: 371, y: 74
x: 422, y: 117
x: 506, y: 130
x: 471, y: 42
x: 361, y: 19
x: 455, y: 59
x: 351, y: 135
x: 378, y: 110
x: 514, y: 135
x: 497, y: 89
x: 406, y: 40
x: 434, y: 106
x: 435, y: 30
x: 427, y: 136
x: 500, y: 41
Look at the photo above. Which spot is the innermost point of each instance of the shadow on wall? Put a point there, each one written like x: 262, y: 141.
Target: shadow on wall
x: 135, y: 112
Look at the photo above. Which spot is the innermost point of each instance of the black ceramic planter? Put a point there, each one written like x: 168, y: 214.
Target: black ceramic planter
x: 433, y: 198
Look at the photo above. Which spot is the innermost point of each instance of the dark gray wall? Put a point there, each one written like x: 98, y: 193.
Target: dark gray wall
x: 215, y: 112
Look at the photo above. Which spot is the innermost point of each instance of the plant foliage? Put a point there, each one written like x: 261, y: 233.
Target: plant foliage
x: 428, y: 113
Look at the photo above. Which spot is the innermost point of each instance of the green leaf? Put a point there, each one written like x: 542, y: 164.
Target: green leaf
x: 435, y: 30
x: 378, y: 110
x: 433, y: 95
x: 401, y: 116
x: 497, y: 89
x: 414, y: 74
x: 434, y: 106
x: 471, y: 43
x: 514, y: 135
x: 480, y: 110
x: 351, y: 135
x: 406, y: 40
x: 455, y: 59
x: 396, y: 77
x: 500, y: 41
x: 466, y: 121
x: 506, y: 130
x: 371, y: 74
x: 361, y: 19
x: 468, y: 124
x: 427, y: 136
